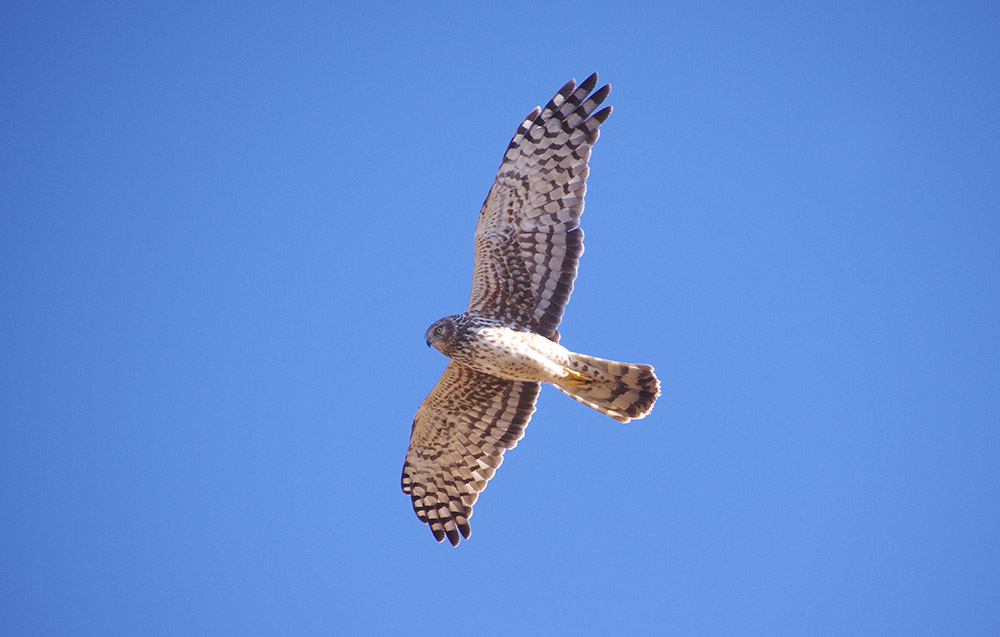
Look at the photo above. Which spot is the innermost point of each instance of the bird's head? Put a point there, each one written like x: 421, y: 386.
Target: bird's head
x: 440, y: 332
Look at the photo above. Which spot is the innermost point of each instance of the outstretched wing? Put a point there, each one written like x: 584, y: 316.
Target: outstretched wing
x: 459, y: 436
x: 528, y: 238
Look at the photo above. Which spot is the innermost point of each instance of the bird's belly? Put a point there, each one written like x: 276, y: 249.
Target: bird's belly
x: 516, y: 355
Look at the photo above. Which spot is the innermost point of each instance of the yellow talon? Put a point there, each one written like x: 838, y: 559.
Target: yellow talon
x: 576, y: 379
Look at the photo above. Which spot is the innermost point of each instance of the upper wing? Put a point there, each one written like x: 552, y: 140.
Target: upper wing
x: 528, y: 237
x: 459, y: 436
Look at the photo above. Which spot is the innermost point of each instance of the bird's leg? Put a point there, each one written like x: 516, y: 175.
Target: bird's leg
x: 576, y: 379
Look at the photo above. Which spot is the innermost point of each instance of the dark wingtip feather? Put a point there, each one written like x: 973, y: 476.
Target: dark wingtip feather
x: 601, y: 94
x: 589, y: 83
x: 567, y: 88
x: 601, y: 115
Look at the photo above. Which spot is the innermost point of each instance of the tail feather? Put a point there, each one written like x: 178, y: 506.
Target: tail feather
x: 621, y: 390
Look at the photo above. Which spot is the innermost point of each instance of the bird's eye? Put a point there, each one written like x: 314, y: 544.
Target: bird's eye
x: 439, y: 330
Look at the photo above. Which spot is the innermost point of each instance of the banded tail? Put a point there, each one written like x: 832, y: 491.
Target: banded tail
x: 621, y: 390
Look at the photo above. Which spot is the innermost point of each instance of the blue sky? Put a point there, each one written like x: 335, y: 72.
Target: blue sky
x: 224, y: 230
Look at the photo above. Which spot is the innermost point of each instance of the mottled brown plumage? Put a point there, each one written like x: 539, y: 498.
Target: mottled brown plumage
x: 527, y: 246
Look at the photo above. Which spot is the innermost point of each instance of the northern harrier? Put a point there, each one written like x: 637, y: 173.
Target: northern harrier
x: 527, y: 244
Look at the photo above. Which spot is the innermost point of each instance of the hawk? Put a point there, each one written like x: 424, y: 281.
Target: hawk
x: 527, y: 244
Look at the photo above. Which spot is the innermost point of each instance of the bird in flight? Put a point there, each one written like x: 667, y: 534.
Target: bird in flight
x: 528, y: 243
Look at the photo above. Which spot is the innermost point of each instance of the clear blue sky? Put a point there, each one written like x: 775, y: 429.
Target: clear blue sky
x: 224, y: 230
